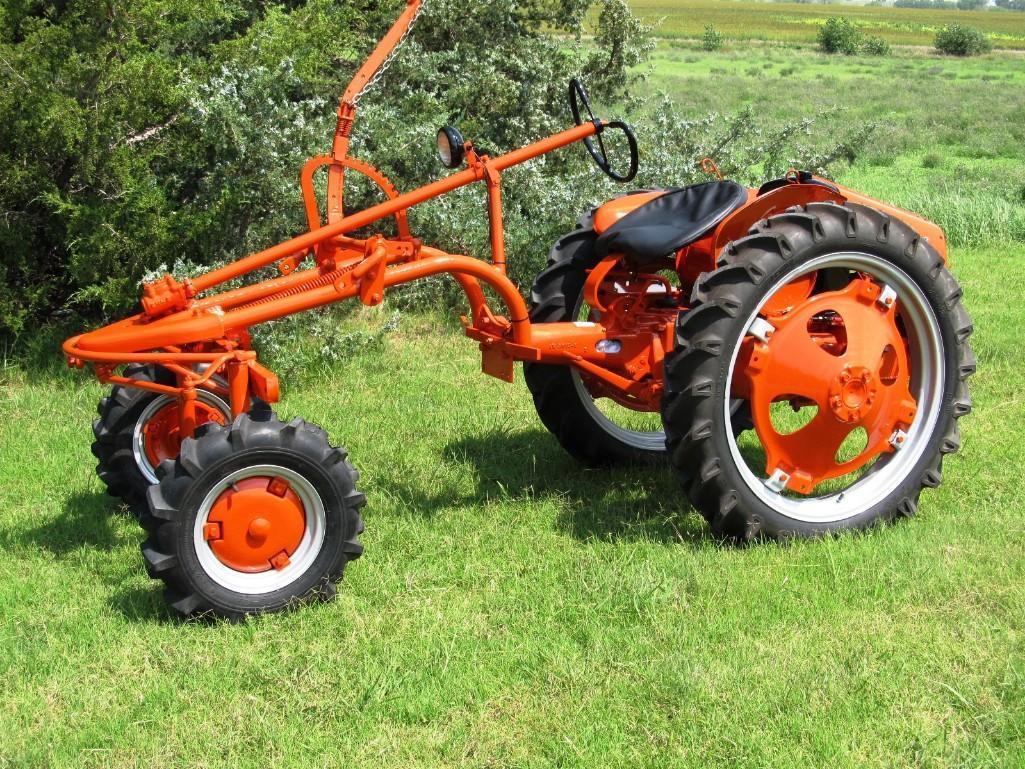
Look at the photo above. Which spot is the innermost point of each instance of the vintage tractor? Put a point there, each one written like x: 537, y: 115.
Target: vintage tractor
x: 798, y: 353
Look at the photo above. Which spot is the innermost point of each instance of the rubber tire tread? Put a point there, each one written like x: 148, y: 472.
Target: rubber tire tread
x: 217, y: 450
x: 113, y: 432
x: 724, y: 298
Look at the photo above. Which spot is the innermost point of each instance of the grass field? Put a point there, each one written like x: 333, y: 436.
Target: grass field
x: 799, y: 22
x: 515, y: 610
x: 948, y: 138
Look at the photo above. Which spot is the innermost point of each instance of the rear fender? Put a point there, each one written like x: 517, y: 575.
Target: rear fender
x: 929, y: 231
x: 611, y: 212
x: 737, y: 224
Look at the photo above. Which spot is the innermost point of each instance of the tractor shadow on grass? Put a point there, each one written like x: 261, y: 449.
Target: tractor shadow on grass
x: 98, y: 534
x: 88, y: 521
x: 529, y: 466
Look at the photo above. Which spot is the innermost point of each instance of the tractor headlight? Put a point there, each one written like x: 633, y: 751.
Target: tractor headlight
x: 450, y: 147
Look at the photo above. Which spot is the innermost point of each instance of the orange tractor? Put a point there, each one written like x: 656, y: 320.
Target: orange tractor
x: 798, y: 353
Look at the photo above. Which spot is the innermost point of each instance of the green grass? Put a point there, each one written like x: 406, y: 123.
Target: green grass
x: 948, y: 139
x: 513, y: 609
x: 800, y: 22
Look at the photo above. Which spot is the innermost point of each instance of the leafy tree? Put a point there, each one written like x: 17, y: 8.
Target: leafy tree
x: 712, y: 39
x: 141, y: 133
x: 875, y: 46
x: 956, y: 40
x: 839, y: 35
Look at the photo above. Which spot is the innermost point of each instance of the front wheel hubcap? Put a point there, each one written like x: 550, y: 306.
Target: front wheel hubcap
x: 259, y: 529
x: 256, y: 524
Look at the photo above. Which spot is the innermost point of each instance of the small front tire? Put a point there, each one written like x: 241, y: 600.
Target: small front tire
x: 137, y: 429
x: 257, y: 516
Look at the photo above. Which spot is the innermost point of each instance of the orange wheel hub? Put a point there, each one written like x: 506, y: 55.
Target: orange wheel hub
x: 841, y: 351
x: 161, y: 435
x: 256, y: 525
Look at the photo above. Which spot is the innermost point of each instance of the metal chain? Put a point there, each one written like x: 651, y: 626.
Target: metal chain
x: 391, y: 56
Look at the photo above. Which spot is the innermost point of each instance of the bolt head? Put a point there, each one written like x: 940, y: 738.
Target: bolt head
x: 259, y: 528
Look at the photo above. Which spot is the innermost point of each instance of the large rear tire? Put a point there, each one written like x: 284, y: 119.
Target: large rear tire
x: 839, y: 248
x: 591, y: 435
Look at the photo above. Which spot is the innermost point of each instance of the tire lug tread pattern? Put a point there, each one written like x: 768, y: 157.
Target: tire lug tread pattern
x: 167, y: 503
x: 692, y: 416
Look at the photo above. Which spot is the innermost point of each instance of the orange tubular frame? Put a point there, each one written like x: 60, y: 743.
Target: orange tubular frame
x: 202, y: 337
x: 199, y: 335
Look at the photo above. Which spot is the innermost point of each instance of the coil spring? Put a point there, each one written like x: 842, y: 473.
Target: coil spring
x: 319, y: 282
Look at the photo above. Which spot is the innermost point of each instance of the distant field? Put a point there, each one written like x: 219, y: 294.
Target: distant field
x: 795, y: 22
x: 949, y: 134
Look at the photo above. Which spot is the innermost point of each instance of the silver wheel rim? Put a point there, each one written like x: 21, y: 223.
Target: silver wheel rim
x: 299, y: 562
x: 149, y: 472
x: 645, y: 441
x: 138, y: 441
x: 927, y: 383
x: 654, y: 440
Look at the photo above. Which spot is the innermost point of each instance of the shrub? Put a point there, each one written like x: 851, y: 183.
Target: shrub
x: 956, y: 40
x: 839, y: 35
x: 875, y: 46
x: 175, y: 131
x: 712, y: 39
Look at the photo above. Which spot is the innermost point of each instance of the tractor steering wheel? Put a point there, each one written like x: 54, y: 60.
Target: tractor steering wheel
x: 578, y: 97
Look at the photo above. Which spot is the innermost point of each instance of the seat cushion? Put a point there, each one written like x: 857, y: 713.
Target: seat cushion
x: 671, y: 221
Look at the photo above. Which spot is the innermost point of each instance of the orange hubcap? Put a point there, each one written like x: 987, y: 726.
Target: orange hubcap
x: 161, y: 435
x: 256, y: 525
x: 841, y: 351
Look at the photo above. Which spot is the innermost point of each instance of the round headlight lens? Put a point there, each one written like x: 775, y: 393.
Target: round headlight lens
x: 450, y: 147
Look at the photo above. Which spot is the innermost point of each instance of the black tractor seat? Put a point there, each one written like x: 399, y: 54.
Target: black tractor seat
x: 671, y: 221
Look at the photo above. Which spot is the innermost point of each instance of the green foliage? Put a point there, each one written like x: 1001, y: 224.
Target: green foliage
x: 712, y: 39
x: 799, y: 23
x: 873, y: 45
x: 140, y: 133
x: 971, y: 5
x: 957, y: 40
x: 840, y: 35
x: 936, y: 5
x: 741, y: 145
x: 1011, y: 5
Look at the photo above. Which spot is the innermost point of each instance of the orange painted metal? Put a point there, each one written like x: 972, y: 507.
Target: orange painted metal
x: 187, y: 328
x: 737, y: 224
x: 611, y: 212
x: 161, y: 435
x: 256, y: 525
x: 842, y: 352
x: 926, y: 229
x: 310, y: 196
x: 347, y: 107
